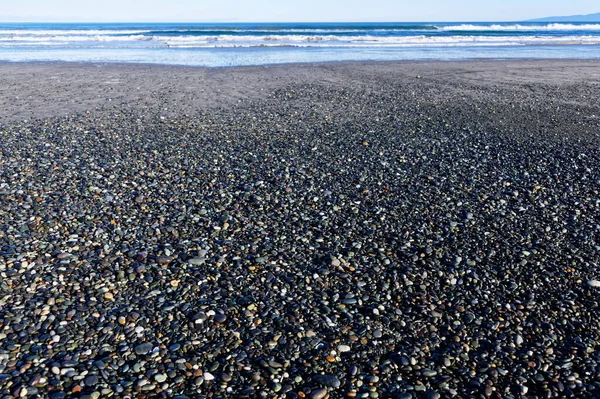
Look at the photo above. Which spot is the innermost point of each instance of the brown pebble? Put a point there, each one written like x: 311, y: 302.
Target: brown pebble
x: 320, y: 393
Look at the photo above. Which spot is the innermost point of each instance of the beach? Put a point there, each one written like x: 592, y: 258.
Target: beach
x: 330, y: 230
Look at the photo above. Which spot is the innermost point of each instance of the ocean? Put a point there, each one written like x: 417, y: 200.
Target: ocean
x: 234, y: 44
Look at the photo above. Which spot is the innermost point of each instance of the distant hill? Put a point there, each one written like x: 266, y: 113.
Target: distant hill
x: 570, y: 18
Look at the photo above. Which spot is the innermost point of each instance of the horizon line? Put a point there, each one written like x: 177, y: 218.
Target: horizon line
x: 252, y: 22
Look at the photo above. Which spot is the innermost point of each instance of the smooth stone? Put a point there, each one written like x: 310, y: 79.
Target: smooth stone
x: 91, y: 380
x: 469, y: 317
x: 318, y: 393
x: 344, y: 348
x: 199, y: 317
x: 144, y: 348
x: 429, y: 373
x: 594, y: 283
x: 327, y: 380
x: 373, y: 379
x: 275, y: 364
x: 164, y: 260
x: 519, y: 339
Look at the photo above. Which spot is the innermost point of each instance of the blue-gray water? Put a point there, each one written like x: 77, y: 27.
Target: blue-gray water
x: 233, y: 44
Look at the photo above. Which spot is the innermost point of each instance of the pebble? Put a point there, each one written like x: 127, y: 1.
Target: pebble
x: 143, y: 349
x: 164, y: 260
x: 429, y: 373
x: 196, y: 261
x: 91, y: 380
x: 455, y: 248
x: 344, y: 348
x: 319, y: 393
x: 327, y: 380
x: 519, y: 339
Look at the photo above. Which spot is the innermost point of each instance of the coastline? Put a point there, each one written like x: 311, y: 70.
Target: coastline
x: 385, y: 229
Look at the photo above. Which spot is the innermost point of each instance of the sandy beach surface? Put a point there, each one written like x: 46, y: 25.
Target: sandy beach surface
x: 370, y: 230
x: 51, y: 89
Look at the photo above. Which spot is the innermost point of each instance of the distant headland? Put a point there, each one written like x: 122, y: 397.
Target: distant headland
x: 571, y: 18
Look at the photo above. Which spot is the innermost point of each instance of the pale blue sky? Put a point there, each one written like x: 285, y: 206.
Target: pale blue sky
x: 282, y: 10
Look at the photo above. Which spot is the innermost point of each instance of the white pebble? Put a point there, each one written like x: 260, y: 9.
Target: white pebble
x: 343, y: 348
x: 208, y: 376
x: 519, y: 339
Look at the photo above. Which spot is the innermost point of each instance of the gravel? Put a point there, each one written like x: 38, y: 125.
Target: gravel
x: 398, y: 239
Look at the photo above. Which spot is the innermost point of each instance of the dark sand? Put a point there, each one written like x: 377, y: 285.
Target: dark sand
x: 373, y: 230
x: 42, y: 90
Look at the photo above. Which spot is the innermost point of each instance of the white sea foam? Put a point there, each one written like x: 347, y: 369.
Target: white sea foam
x: 375, y: 41
x: 68, y: 32
x: 519, y: 27
x: 296, y: 40
x: 70, y: 38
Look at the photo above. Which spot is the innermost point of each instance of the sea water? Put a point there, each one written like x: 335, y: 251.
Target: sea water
x: 233, y: 44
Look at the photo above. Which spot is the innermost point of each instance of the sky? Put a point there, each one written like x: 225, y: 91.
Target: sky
x: 288, y: 10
